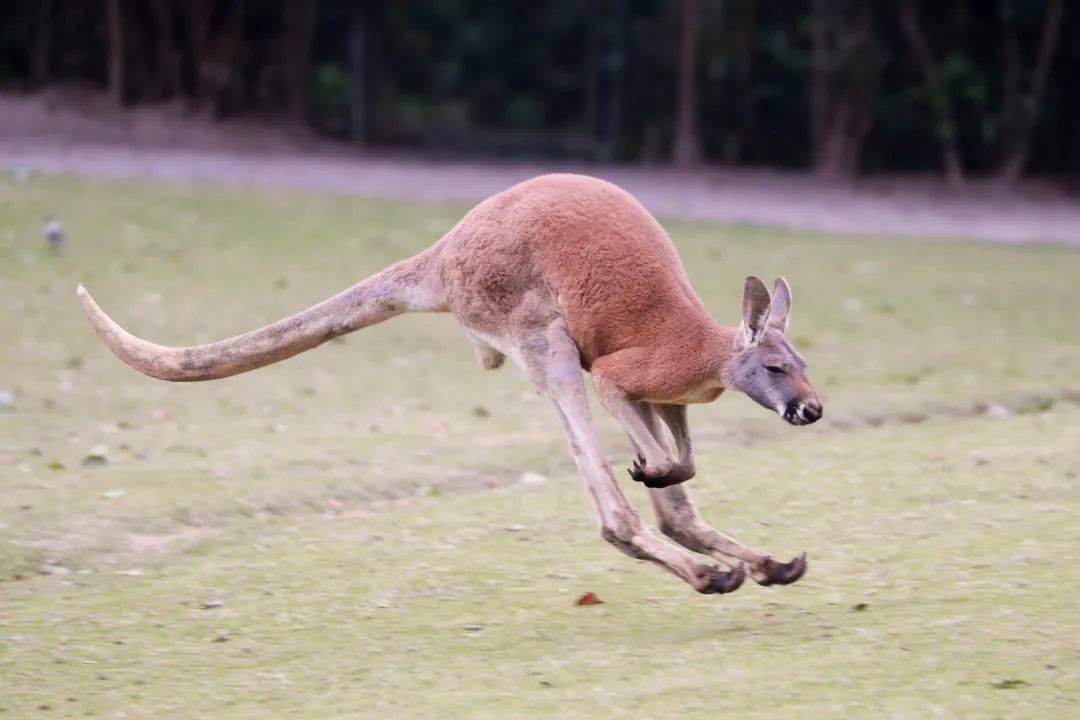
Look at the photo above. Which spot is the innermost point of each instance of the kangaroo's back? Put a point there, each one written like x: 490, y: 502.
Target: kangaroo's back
x: 580, y: 243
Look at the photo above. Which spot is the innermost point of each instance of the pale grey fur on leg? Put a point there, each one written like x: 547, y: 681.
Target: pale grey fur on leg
x: 677, y: 514
x: 553, y: 361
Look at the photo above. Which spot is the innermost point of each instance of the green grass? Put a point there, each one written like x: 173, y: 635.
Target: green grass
x: 357, y: 511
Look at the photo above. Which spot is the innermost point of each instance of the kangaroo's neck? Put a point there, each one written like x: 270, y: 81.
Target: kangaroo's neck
x: 704, y: 356
x: 718, y: 350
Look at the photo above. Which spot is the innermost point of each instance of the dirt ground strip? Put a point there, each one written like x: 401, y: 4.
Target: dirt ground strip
x: 81, y: 134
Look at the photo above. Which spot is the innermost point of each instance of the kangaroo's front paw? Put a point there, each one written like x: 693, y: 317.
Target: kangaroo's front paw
x: 651, y: 478
x: 637, y: 470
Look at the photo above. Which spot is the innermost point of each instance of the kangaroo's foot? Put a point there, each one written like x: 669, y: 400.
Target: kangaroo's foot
x: 713, y: 580
x: 679, y: 520
x: 771, y: 572
x: 661, y: 477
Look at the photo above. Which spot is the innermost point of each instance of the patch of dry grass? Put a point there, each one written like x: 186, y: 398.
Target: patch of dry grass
x: 374, y: 559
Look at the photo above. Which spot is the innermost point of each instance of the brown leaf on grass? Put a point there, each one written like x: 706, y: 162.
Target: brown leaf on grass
x: 589, y: 598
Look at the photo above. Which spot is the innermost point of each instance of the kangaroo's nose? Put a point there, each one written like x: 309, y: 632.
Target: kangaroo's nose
x: 811, y: 410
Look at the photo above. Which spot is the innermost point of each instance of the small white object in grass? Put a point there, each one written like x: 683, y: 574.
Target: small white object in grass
x: 53, y: 570
x: 98, y: 455
x: 7, y: 398
x: 993, y: 409
x: 531, y: 478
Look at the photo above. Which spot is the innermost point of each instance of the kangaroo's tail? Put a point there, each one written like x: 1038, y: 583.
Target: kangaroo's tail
x: 409, y: 286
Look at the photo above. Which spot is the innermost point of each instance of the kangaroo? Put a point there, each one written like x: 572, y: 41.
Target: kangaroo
x: 565, y: 274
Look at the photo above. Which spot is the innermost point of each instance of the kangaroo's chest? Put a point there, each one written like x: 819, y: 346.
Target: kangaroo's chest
x: 704, y: 392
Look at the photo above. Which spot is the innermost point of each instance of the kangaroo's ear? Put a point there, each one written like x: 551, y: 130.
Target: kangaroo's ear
x: 755, y: 312
x: 781, y: 305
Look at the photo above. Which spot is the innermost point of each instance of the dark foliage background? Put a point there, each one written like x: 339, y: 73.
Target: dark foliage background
x: 841, y: 86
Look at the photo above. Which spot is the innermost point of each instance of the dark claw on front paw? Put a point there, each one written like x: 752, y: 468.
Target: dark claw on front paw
x: 778, y: 573
x: 637, y: 473
x: 724, y: 581
x: 662, y: 482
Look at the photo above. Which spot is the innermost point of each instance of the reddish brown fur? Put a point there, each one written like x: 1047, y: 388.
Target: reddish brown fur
x: 589, y: 249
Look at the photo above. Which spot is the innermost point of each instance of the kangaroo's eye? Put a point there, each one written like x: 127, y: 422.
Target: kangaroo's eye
x: 775, y: 369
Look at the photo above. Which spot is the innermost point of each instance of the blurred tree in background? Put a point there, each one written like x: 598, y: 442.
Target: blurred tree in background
x: 840, y: 86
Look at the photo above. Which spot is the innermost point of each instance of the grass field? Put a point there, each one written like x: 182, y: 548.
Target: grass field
x: 346, y: 535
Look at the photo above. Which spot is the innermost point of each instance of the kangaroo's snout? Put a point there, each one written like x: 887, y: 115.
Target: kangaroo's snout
x: 804, y: 412
x: 811, y: 410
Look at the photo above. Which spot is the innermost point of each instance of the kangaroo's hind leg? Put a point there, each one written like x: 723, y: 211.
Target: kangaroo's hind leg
x: 680, y: 520
x: 549, y: 356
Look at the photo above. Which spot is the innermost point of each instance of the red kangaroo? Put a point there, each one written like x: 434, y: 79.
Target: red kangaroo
x: 565, y: 273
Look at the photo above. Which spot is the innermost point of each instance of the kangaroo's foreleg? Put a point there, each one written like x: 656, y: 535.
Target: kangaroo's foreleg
x: 674, y: 416
x: 552, y: 360
x: 654, y: 466
x: 680, y: 520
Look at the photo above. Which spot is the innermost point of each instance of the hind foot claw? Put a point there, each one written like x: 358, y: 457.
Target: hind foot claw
x: 771, y: 572
x: 715, y: 581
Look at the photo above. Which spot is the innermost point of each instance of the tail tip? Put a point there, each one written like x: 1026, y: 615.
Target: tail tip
x: 80, y: 290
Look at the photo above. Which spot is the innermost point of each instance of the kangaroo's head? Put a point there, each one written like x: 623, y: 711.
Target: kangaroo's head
x: 764, y: 364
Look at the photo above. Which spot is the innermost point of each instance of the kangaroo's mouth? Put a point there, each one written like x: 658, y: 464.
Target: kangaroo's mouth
x: 798, y: 412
